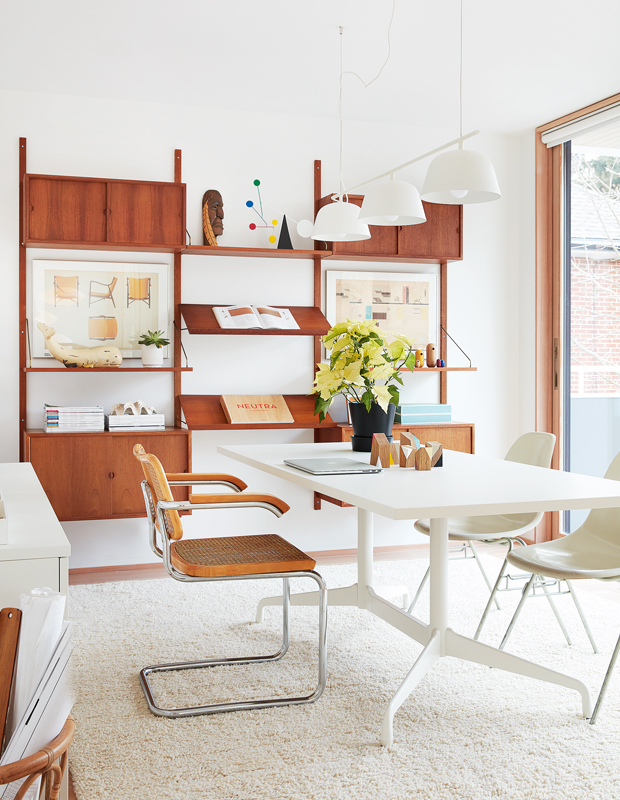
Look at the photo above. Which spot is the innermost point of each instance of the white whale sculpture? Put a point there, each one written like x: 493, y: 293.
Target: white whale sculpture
x: 101, y: 356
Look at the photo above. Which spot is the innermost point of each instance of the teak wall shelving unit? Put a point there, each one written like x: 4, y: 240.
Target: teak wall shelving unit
x: 62, y: 212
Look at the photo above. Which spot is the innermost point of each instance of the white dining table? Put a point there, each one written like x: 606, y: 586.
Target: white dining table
x: 465, y: 485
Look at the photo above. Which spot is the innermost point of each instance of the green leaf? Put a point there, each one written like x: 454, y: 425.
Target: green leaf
x: 394, y: 394
x: 321, y: 406
x: 367, y: 399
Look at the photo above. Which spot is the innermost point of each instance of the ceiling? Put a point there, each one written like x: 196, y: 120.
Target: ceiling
x: 525, y: 62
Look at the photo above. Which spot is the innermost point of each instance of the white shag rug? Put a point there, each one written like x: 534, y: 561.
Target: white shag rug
x: 466, y: 732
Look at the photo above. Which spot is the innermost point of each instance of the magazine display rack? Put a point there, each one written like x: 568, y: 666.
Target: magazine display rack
x: 49, y: 763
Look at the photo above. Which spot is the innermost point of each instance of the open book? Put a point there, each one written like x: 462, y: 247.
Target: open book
x: 254, y: 317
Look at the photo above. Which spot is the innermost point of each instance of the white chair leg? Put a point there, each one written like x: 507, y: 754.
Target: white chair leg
x: 485, y: 613
x: 524, y: 594
x: 582, y: 616
x: 419, y: 591
x: 601, y: 694
x: 557, y: 614
x: 484, y: 575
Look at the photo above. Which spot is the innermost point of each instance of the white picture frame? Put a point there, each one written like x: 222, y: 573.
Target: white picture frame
x: 404, y: 302
x: 89, y: 307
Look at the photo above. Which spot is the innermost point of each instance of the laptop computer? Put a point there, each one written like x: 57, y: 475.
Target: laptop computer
x: 331, y: 466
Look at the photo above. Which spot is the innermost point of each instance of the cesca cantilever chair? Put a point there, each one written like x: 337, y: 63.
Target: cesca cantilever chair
x: 592, y: 551
x: 533, y: 448
x: 258, y: 556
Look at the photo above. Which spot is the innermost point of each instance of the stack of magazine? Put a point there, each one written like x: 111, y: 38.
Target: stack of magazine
x: 131, y: 422
x: 65, y: 419
x: 41, y: 696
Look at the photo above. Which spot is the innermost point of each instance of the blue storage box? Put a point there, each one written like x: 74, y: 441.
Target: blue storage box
x: 422, y: 413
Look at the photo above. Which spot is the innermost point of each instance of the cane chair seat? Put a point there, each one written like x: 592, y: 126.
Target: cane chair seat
x: 238, y: 555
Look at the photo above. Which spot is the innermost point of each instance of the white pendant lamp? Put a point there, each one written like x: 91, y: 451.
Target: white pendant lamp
x: 460, y: 176
x: 392, y: 203
x: 338, y: 222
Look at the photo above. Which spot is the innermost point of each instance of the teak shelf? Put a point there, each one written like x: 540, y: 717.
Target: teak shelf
x: 252, y: 252
x: 200, y: 319
x: 203, y: 412
x: 117, y: 370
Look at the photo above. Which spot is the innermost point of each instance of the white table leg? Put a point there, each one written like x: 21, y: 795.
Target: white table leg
x: 471, y: 650
x: 439, y: 578
x: 423, y: 664
x: 354, y: 595
x: 340, y: 596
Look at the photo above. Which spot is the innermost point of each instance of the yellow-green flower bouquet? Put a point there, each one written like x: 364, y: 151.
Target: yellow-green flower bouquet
x: 363, y: 366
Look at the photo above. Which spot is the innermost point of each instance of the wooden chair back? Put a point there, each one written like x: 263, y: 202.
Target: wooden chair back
x: 160, y: 490
x: 112, y: 285
x: 138, y: 288
x: 66, y: 288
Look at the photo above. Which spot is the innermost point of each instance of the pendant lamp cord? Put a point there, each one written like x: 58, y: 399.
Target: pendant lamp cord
x: 366, y: 85
x: 461, y: 84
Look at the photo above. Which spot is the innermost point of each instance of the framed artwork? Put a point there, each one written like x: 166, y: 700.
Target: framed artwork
x: 405, y: 302
x: 91, y: 302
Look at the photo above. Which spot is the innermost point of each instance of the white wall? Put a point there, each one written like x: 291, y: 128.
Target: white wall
x: 227, y: 150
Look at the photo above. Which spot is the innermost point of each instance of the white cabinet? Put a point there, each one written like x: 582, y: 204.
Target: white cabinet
x: 37, y: 553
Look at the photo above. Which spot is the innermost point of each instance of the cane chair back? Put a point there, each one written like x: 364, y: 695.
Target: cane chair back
x: 159, y: 489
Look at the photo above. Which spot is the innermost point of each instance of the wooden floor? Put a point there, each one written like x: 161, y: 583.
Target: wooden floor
x: 611, y: 591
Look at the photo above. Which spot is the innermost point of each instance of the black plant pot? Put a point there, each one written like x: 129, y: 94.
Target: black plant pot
x: 365, y: 423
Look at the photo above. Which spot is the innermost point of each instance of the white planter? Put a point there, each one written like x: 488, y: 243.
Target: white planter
x: 152, y: 356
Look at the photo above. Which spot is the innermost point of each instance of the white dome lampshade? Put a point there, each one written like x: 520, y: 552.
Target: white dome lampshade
x: 338, y: 222
x: 460, y: 176
x: 392, y: 203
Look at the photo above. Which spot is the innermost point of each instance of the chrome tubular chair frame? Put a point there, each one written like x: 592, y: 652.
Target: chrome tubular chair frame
x: 165, y: 554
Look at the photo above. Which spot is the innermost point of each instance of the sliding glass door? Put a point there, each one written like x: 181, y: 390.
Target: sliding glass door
x: 590, y: 387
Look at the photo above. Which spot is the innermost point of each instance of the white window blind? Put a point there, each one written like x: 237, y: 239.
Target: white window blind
x: 585, y: 124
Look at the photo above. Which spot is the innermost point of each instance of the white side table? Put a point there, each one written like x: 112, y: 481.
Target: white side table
x: 38, y: 550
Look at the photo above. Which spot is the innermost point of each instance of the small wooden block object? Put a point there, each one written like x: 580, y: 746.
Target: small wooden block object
x: 380, y: 451
x: 10, y: 619
x: 256, y: 408
x: 394, y: 453
x: 419, y: 356
x: 423, y: 458
x: 407, y: 456
x: 436, y: 454
x: 431, y: 358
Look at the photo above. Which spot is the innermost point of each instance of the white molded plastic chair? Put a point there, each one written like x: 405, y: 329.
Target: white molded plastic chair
x: 534, y: 448
x: 592, y: 551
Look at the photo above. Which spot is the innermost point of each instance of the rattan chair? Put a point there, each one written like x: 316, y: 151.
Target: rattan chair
x: 49, y: 763
x: 224, y: 558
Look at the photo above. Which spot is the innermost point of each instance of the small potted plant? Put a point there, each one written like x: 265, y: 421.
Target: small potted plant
x: 152, y: 344
x: 364, y: 367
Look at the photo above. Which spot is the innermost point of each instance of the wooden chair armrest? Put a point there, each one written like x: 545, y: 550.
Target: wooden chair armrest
x: 193, y: 478
x: 243, y: 497
x: 40, y: 760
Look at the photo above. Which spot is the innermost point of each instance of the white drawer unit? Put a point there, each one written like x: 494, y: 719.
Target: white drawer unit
x: 37, y: 552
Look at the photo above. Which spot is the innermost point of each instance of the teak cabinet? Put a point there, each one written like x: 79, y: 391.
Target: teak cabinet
x: 106, y: 482
x: 453, y: 436
x: 440, y: 238
x: 67, y: 211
